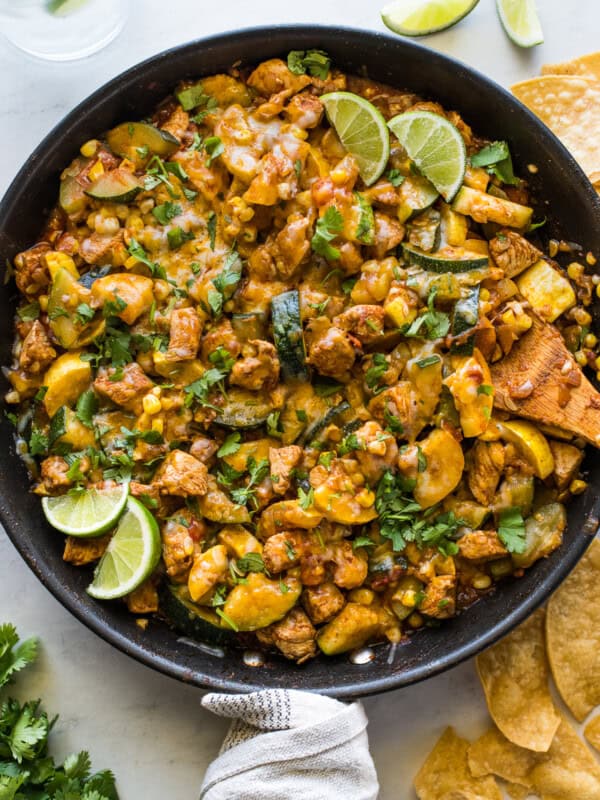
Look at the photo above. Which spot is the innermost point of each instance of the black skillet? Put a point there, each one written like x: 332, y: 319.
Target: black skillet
x: 565, y: 197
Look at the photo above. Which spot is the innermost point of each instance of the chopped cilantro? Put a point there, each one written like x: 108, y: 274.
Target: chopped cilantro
x: 511, y: 530
x: 211, y: 227
x: 176, y: 236
x: 314, y: 62
x: 428, y: 361
x: 213, y: 147
x: 379, y: 366
x: 365, y: 232
x: 305, y: 498
x: 165, y: 212
x: 328, y: 227
x: 496, y: 158
x: 436, y: 323
x: 395, y: 177
x: 87, y: 406
x: 230, y: 446
x: 30, y: 312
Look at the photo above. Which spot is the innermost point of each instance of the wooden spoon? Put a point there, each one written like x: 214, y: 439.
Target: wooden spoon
x: 540, y: 380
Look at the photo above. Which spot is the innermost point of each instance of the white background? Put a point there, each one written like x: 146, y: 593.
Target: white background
x: 149, y: 729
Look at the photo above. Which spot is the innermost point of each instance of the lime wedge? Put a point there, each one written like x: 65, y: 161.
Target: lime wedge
x: 436, y: 147
x: 520, y: 20
x: 86, y: 513
x: 362, y: 131
x: 420, y: 17
x: 131, y: 556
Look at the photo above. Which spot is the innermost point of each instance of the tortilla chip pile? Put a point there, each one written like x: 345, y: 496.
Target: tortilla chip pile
x: 533, y: 749
x: 567, y: 98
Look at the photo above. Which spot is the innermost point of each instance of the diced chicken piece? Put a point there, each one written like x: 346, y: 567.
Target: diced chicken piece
x: 84, y: 551
x: 181, y: 475
x: 53, y: 473
x: 177, y: 124
x: 485, y: 468
x: 294, y: 636
x: 567, y: 460
x: 283, y: 550
x: 126, y: 392
x: 287, y: 515
x: 349, y: 565
x: 378, y: 451
x: 98, y: 247
x: 512, y: 252
x: 401, y: 402
x: 31, y: 272
x: 388, y: 234
x: 36, y: 351
x: 273, y: 76
x: 144, y: 599
x: 330, y: 349
x: 282, y: 461
x: 275, y: 180
x: 304, y: 110
x: 184, y: 336
x: 322, y: 602
x: 178, y: 546
x: 292, y: 245
x: 440, y: 597
x: 143, y: 490
x: 243, y: 147
x: 258, y: 368
x: 204, y: 449
x: 481, y: 546
x: 363, y: 321
x: 221, y: 336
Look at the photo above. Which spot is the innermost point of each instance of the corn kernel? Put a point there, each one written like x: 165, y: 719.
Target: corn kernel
x: 581, y: 316
x: 156, y: 391
x: 577, y: 487
x: 581, y: 358
x: 88, y: 150
x: 484, y: 294
x: 575, y: 271
x: 55, y: 260
x: 409, y: 598
x: 365, y: 498
x: 43, y: 301
x: 157, y: 425
x: 361, y: 595
x: 482, y: 582
x: 590, y: 340
x: 96, y: 171
x: 151, y: 404
x: 590, y: 259
x: 415, y: 620
x: 552, y: 248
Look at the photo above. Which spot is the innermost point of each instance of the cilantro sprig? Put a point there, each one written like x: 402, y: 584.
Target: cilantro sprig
x: 402, y: 520
x: 314, y: 62
x: 328, y: 227
x: 511, y: 530
x: 26, y: 769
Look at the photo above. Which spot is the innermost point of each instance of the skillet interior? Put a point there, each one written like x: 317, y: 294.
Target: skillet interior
x: 492, y: 112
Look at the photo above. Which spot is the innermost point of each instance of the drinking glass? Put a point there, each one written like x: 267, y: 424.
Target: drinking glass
x: 62, y: 30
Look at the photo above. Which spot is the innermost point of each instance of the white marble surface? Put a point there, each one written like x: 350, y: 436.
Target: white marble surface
x: 149, y: 728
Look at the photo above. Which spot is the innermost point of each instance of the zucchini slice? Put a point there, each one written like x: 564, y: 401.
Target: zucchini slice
x: 331, y: 416
x: 484, y: 207
x: 416, y: 195
x: 466, y: 315
x: 116, y: 186
x: 243, y: 410
x: 449, y: 259
x: 288, y: 336
x: 424, y: 231
x: 139, y: 140
x: 252, y: 325
x: 197, y: 622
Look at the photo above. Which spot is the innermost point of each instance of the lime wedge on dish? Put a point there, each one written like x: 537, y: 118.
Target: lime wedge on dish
x: 520, y: 20
x: 86, y: 513
x: 436, y: 147
x: 131, y: 556
x: 420, y: 17
x: 361, y: 129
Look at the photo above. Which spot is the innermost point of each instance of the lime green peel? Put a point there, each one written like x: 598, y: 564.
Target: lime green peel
x: 520, y: 20
x: 421, y: 17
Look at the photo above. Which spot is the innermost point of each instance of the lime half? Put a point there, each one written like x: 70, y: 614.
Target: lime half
x: 420, y: 17
x: 89, y: 512
x: 520, y: 20
x: 131, y: 556
x: 436, y: 147
x: 362, y: 131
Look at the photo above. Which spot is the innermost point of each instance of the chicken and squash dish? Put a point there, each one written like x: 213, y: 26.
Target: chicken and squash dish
x: 290, y: 365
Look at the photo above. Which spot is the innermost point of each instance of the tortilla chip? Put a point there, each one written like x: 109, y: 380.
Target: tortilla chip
x: 570, y: 107
x: 573, y: 635
x: 445, y: 774
x: 514, y: 675
x: 517, y: 792
x: 493, y: 754
x: 592, y: 732
x: 569, y: 770
x: 587, y: 66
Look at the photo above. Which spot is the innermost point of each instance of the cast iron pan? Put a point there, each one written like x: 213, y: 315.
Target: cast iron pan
x: 573, y: 212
